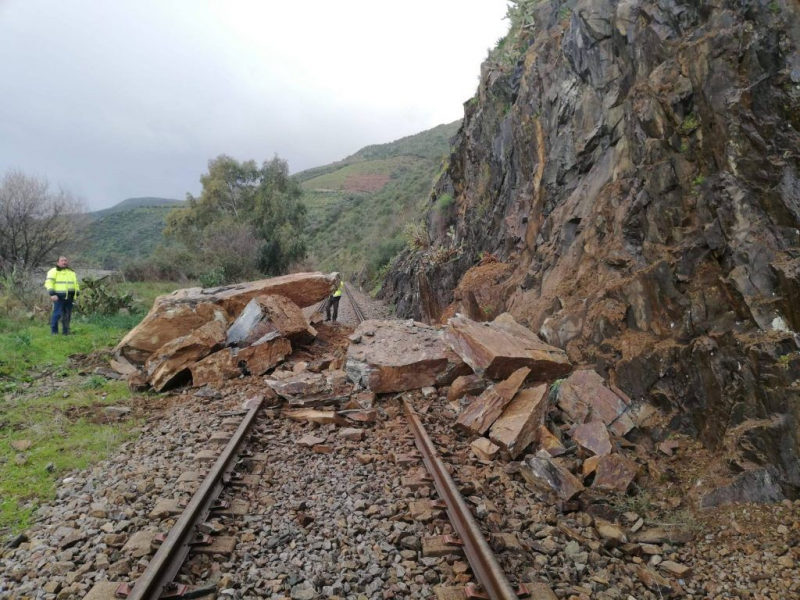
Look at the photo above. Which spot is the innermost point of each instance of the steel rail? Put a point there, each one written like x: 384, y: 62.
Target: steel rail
x: 170, y: 556
x: 481, y: 558
x: 356, y: 309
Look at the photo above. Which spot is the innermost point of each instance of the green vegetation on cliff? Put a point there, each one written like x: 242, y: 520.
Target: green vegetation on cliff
x: 357, y: 207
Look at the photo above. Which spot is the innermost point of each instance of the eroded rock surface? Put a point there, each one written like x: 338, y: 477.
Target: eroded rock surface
x: 637, y: 168
x: 395, y: 356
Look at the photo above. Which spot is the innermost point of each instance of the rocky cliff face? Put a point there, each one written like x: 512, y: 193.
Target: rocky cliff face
x: 637, y: 175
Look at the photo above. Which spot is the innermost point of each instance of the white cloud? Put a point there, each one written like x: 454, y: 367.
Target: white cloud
x: 131, y: 98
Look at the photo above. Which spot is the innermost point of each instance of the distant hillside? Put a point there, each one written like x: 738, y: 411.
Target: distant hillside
x: 357, y: 207
x: 128, y: 230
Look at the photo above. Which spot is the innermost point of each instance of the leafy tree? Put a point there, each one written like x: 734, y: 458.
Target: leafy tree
x: 35, y: 221
x: 260, y: 205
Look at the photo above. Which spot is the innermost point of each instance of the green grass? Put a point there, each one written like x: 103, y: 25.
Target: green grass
x: 67, y: 433
x: 344, y: 178
x: 66, y: 424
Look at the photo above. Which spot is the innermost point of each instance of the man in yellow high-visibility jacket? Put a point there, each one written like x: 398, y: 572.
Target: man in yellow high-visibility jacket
x: 62, y: 286
x: 333, y: 302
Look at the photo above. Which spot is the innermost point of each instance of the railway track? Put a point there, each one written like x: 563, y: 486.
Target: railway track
x: 480, y: 556
x: 165, y: 575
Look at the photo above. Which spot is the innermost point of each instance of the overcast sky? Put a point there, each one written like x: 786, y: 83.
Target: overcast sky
x: 124, y: 98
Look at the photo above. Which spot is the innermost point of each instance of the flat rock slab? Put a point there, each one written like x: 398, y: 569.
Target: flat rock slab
x: 482, y: 412
x: 236, y: 508
x: 485, y: 450
x: 438, y: 546
x: 424, y: 511
x: 615, y: 473
x: 396, y: 356
x: 309, y: 389
x: 585, y: 397
x: 518, y: 426
x: 549, y: 442
x: 206, y: 456
x: 593, y: 437
x: 140, y: 544
x: 543, y: 473
x: 219, y: 545
x: 103, y: 590
x: 310, y: 415
x: 497, y: 349
x: 269, y: 317
x: 181, y: 312
x: 310, y: 440
x: 165, y: 508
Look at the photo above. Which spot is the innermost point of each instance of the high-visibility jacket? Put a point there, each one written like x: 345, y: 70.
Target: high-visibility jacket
x: 62, y: 282
x: 339, y: 291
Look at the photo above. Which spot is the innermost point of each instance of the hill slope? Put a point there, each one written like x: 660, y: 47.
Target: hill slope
x: 357, y: 207
x: 126, y: 231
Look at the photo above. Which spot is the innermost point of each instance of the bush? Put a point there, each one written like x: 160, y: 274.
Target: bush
x: 444, y: 202
x: 96, y: 298
x: 416, y: 234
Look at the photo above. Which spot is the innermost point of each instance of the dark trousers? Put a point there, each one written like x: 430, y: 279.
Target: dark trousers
x: 62, y: 309
x: 333, y: 306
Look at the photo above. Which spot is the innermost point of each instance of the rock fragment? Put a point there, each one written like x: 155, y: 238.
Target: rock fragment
x: 584, y: 396
x: 615, y: 473
x: 545, y: 474
x: 483, y: 411
x: 170, y: 364
x: 484, y: 449
x: 269, y: 317
x: 400, y: 356
x: 471, y: 385
x: 518, y: 425
x: 497, y: 349
x: 593, y: 437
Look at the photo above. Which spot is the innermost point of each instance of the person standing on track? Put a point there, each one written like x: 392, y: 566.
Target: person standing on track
x: 333, y: 303
x: 62, y: 287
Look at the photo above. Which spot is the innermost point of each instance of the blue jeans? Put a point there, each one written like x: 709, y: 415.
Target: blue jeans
x: 62, y: 309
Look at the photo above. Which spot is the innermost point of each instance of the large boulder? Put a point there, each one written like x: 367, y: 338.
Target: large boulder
x: 260, y: 358
x: 518, y: 426
x: 181, y: 312
x: 497, y: 349
x: 269, y: 317
x: 479, y: 415
x: 396, y: 356
x: 170, y: 365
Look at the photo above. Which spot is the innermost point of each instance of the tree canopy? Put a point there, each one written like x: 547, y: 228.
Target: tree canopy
x: 245, y: 215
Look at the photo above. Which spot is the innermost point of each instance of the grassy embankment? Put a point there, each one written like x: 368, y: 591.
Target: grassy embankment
x: 44, y: 401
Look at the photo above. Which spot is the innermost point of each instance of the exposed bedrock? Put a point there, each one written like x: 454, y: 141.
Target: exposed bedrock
x: 635, y: 177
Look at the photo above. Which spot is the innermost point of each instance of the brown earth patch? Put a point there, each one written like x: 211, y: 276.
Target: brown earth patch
x: 365, y: 182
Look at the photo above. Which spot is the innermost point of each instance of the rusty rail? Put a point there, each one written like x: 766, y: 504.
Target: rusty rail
x: 480, y: 556
x: 356, y: 309
x: 165, y: 565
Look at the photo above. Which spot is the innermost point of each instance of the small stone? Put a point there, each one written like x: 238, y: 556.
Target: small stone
x: 21, y: 445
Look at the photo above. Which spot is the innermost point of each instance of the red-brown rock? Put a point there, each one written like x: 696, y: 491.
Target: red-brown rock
x: 484, y: 410
x: 181, y: 312
x: 268, y: 317
x: 497, y: 349
x: 216, y: 368
x: 262, y: 357
x: 545, y: 474
x: 615, y: 473
x: 471, y: 385
x: 584, y: 396
x: 170, y: 364
x: 518, y: 426
x: 593, y: 437
x: 396, y: 356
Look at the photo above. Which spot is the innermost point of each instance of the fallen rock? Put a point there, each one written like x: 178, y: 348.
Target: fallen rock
x: 593, y: 437
x: 585, y: 397
x: 610, y: 532
x: 497, y: 349
x: 352, y: 434
x: 484, y: 410
x: 269, y: 317
x: 543, y: 473
x: 216, y: 368
x: 471, y: 385
x: 397, y: 356
x: 310, y: 440
x: 260, y: 358
x: 169, y: 365
x: 674, y: 568
x: 309, y: 389
x: 484, y: 449
x: 758, y: 485
x: 518, y: 425
x: 615, y: 473
x: 360, y: 416
x: 181, y: 312
x: 549, y: 442
x: 323, y: 417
